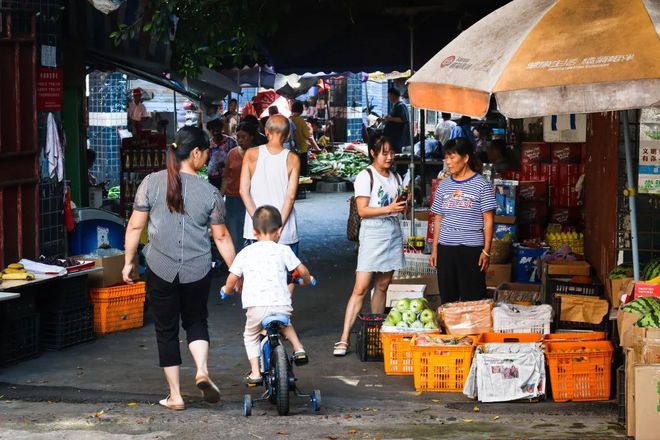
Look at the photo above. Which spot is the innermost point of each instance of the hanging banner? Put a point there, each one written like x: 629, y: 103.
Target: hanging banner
x: 50, y: 86
x: 649, y: 151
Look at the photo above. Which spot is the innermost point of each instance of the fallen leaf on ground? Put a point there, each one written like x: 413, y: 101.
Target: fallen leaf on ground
x: 435, y: 401
x: 352, y: 431
x: 99, y: 413
x: 332, y: 437
x: 468, y: 420
x: 495, y: 417
x: 418, y: 393
x: 475, y: 409
x: 283, y: 433
x: 132, y: 404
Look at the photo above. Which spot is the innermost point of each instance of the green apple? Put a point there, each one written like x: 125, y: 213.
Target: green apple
x: 408, y: 316
x: 417, y: 324
x: 431, y: 325
x: 417, y: 305
x: 394, y: 317
x: 402, y: 305
x: 403, y: 324
x: 427, y: 315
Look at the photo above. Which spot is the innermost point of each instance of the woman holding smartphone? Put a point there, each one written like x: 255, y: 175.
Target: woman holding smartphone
x: 378, y: 195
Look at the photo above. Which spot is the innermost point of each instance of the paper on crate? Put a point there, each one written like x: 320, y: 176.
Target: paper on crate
x: 615, y: 288
x: 396, y: 292
x: 112, y: 267
x: 580, y: 308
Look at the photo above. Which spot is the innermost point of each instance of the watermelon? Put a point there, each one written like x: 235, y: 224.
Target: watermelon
x: 649, y: 320
x: 643, y: 305
x: 652, y: 269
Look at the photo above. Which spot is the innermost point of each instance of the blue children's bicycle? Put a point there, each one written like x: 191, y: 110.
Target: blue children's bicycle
x: 277, y: 368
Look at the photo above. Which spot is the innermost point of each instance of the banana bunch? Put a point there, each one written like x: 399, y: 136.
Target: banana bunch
x: 16, y: 271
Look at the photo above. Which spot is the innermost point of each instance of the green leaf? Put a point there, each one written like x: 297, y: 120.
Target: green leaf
x: 147, y: 27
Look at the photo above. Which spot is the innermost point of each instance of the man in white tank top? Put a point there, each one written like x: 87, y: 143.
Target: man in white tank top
x: 270, y: 177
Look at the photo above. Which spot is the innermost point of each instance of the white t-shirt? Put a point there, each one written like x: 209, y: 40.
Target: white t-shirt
x: 384, y: 191
x: 137, y: 112
x: 264, y: 266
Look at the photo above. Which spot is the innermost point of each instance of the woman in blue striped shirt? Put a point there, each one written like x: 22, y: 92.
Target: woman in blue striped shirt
x: 464, y: 204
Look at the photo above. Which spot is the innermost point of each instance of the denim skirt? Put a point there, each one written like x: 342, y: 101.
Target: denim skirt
x: 381, y: 245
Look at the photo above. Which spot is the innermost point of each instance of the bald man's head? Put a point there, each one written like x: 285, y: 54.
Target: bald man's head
x: 278, y: 125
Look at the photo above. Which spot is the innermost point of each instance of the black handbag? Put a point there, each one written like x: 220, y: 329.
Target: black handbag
x: 354, y: 220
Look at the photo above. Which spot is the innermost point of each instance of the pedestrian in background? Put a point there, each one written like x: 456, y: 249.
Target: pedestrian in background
x: 464, y: 204
x: 378, y: 198
x: 220, y: 146
x: 179, y: 206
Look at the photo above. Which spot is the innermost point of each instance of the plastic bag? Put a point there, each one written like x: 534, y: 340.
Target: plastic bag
x: 468, y: 317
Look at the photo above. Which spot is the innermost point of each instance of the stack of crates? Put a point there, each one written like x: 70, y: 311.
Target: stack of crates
x: 19, y: 329
x: 67, y: 317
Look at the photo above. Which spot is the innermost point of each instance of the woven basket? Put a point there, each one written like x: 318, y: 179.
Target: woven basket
x: 500, y: 252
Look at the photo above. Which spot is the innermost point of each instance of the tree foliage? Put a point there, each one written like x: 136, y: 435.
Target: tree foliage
x: 205, y: 32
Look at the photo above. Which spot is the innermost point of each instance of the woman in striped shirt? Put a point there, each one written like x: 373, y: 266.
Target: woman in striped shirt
x: 464, y: 204
x: 179, y: 207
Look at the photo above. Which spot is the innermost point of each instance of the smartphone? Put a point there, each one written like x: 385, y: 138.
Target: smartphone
x: 404, y: 195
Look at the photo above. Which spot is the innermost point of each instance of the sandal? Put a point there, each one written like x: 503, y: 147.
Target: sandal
x: 174, y: 407
x: 209, y: 390
x: 252, y: 381
x: 341, y: 348
x: 300, y: 357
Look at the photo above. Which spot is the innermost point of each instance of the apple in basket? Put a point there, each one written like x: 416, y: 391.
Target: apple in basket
x: 408, y: 316
x: 427, y: 316
x: 431, y: 325
x: 393, y: 318
x: 402, y: 305
x: 417, y: 324
x: 417, y: 305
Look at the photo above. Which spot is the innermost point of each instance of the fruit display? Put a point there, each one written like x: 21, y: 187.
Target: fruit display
x: 621, y: 271
x: 648, y: 307
x: 573, y: 239
x: 16, y: 271
x: 651, y: 270
x: 443, y: 340
x: 411, y: 314
x: 62, y: 262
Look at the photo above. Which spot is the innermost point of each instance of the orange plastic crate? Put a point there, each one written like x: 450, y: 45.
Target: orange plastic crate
x: 580, y: 371
x: 397, y: 357
x: 514, y: 338
x: 574, y: 337
x: 118, y: 308
x: 442, y: 368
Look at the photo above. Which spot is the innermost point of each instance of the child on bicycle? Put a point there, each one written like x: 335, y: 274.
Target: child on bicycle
x: 264, y: 267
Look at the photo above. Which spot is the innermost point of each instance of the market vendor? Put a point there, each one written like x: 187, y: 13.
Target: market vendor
x: 137, y: 112
x: 464, y: 205
x: 396, y: 123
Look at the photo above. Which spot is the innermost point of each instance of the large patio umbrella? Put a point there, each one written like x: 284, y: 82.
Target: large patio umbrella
x: 543, y: 57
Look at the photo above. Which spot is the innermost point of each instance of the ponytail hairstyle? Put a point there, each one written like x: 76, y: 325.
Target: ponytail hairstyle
x: 463, y: 147
x: 377, y: 144
x: 186, y: 140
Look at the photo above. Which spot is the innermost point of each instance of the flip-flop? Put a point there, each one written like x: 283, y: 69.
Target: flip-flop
x: 300, y: 357
x: 252, y: 381
x: 166, y: 403
x: 340, y: 348
x: 209, y: 390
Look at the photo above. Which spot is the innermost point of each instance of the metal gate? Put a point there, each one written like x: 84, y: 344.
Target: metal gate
x: 19, y: 150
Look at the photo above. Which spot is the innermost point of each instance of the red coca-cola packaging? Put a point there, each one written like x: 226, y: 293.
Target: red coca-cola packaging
x: 535, y: 152
x: 531, y: 171
x: 566, y: 153
x: 544, y: 173
x: 568, y: 174
x: 533, y: 190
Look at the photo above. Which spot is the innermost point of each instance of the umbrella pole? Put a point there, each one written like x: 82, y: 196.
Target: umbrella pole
x: 631, y: 192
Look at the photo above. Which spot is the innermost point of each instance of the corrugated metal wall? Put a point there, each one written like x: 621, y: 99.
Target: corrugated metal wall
x: 19, y: 173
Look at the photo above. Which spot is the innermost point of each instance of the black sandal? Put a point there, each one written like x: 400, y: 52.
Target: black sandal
x: 300, y: 357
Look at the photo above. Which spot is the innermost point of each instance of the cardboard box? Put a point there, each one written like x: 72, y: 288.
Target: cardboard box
x: 615, y: 288
x: 566, y: 153
x: 430, y: 281
x: 630, y: 392
x: 505, y: 219
x: 646, y: 289
x: 535, y: 152
x: 647, y: 401
x: 533, y: 212
x: 568, y: 268
x: 497, y: 274
x: 111, y: 274
x: 568, y: 174
x: 501, y: 230
x: 533, y: 190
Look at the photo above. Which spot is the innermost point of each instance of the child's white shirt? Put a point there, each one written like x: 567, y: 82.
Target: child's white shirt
x: 264, y: 266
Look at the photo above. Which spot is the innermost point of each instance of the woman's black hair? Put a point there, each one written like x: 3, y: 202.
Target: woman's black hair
x: 185, y: 141
x: 250, y: 119
x: 250, y: 129
x: 376, y: 146
x: 215, y: 123
x: 462, y: 147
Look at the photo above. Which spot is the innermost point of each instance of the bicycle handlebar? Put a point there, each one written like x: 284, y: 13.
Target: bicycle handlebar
x: 299, y: 280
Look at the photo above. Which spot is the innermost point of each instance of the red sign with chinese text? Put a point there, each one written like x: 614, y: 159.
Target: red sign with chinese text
x: 50, y: 89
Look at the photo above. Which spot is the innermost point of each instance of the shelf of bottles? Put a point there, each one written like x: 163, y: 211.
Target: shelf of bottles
x: 139, y: 158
